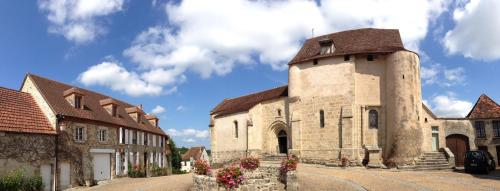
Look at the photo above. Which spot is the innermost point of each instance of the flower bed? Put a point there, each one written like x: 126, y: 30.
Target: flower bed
x: 230, y: 177
x: 201, y: 167
x: 250, y: 163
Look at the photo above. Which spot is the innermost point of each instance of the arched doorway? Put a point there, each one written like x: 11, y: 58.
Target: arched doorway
x: 458, y: 144
x: 282, y: 142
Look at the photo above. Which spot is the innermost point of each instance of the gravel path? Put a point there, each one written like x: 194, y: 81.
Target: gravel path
x: 313, y: 177
x: 165, y: 183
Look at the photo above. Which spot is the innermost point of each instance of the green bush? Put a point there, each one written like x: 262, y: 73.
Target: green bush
x: 157, y: 171
x: 135, y: 172
x: 16, y: 180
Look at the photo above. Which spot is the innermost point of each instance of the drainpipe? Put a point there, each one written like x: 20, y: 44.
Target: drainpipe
x: 246, y: 153
x: 59, y: 118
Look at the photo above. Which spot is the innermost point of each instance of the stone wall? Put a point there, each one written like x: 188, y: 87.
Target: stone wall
x: 25, y: 150
x: 265, y: 177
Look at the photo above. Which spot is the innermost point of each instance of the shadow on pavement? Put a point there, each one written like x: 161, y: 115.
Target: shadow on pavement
x: 493, y: 175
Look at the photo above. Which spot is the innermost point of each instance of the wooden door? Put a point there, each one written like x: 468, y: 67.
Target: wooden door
x: 458, y: 144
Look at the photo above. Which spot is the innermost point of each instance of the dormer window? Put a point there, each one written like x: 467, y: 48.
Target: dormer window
x: 326, y: 46
x: 110, y: 105
x: 153, y: 120
x: 74, y: 96
x: 78, y: 101
x: 135, y: 112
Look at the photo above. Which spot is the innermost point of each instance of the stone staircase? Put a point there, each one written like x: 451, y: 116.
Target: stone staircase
x: 431, y: 161
x: 274, y: 158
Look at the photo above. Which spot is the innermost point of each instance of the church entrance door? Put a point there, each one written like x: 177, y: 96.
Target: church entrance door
x: 282, y: 142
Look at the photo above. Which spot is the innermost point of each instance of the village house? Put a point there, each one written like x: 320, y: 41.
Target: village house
x: 86, y: 136
x: 355, y: 95
x: 193, y: 154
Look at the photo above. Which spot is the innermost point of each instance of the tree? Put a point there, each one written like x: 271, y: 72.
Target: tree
x: 176, y: 156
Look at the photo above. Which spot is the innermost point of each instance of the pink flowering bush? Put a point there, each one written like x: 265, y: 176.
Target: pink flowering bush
x: 230, y: 177
x: 289, y: 164
x: 201, y: 167
x: 250, y: 163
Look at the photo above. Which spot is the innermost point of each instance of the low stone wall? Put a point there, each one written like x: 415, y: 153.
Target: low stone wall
x: 266, y: 177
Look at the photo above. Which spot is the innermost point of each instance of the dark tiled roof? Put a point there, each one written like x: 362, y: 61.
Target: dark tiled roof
x: 357, y: 41
x: 244, y: 103
x: 20, y: 113
x: 485, y: 108
x: 194, y: 152
x: 53, y: 92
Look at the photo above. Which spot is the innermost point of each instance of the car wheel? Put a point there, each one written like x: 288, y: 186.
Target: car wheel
x: 487, y: 170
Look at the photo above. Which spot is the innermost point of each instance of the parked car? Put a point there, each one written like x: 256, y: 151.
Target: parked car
x: 479, y: 161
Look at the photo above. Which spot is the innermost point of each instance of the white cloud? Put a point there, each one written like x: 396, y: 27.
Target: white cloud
x: 77, y: 20
x: 188, y: 133
x: 449, y: 105
x: 212, y: 37
x: 443, y: 76
x: 475, y: 34
x: 189, y: 140
x: 158, y: 110
x: 111, y: 74
x: 180, y: 108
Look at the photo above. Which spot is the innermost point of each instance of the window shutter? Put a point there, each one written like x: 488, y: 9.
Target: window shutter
x: 126, y: 136
x: 84, y: 133
x: 121, y: 135
x: 74, y: 133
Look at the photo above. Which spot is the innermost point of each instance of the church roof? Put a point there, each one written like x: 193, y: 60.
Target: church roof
x: 20, y: 113
x: 53, y: 92
x: 244, y: 103
x: 357, y: 41
x: 485, y: 108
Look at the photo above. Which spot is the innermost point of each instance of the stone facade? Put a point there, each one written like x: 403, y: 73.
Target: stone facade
x: 26, y: 151
x: 265, y: 177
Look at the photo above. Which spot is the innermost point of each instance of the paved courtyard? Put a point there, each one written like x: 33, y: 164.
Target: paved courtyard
x: 357, y: 178
x: 313, y: 177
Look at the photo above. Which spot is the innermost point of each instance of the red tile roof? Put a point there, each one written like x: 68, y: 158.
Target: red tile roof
x: 357, y: 41
x: 485, y: 108
x: 244, y: 103
x: 53, y: 92
x: 20, y: 113
x: 194, y: 152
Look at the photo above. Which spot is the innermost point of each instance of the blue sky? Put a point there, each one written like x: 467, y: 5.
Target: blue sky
x: 182, y: 58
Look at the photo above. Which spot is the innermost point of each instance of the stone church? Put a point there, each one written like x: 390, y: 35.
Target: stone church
x: 354, y: 94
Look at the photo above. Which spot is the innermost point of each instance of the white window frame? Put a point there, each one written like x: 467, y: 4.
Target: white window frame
x: 79, y: 134
x: 102, y: 134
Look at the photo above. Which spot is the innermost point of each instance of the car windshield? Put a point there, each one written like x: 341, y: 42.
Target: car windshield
x: 473, y: 155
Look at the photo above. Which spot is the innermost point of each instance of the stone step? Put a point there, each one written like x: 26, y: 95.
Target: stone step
x: 433, y: 166
x: 431, y: 163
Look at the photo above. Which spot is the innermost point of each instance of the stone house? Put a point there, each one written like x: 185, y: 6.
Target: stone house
x: 355, y: 94
x: 96, y: 137
x: 27, y: 140
x: 193, y: 154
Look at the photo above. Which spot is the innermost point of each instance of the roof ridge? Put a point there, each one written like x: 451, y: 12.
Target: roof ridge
x: 351, y: 30
x: 10, y: 89
x: 91, y: 91
x: 253, y: 93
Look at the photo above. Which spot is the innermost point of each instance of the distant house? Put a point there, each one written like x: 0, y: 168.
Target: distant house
x: 193, y: 154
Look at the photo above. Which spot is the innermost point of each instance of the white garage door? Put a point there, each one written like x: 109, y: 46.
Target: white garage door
x: 46, y: 172
x: 102, y: 166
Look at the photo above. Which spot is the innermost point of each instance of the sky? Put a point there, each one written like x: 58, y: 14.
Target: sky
x: 181, y: 58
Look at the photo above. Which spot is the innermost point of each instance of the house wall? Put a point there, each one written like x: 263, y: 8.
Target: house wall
x: 225, y: 146
x: 25, y: 151
x: 30, y: 87
x: 491, y: 142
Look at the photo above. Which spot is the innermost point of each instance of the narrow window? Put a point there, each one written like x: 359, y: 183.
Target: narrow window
x: 370, y: 57
x: 78, y: 134
x: 496, y: 128
x: 279, y: 112
x: 373, y: 118
x: 479, y: 128
x: 103, y: 135
x: 113, y: 110
x: 315, y: 62
x: 321, y: 118
x: 347, y: 57
x: 123, y: 137
x: 134, y: 137
x: 426, y: 119
x: 235, y: 129
x: 145, y: 138
x: 78, y: 101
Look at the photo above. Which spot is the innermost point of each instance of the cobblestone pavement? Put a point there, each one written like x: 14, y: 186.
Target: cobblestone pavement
x: 356, y: 178
x: 165, y: 183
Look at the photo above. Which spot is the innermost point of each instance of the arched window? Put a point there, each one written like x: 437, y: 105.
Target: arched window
x: 321, y: 118
x: 373, y: 118
x: 279, y: 112
x: 235, y: 129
